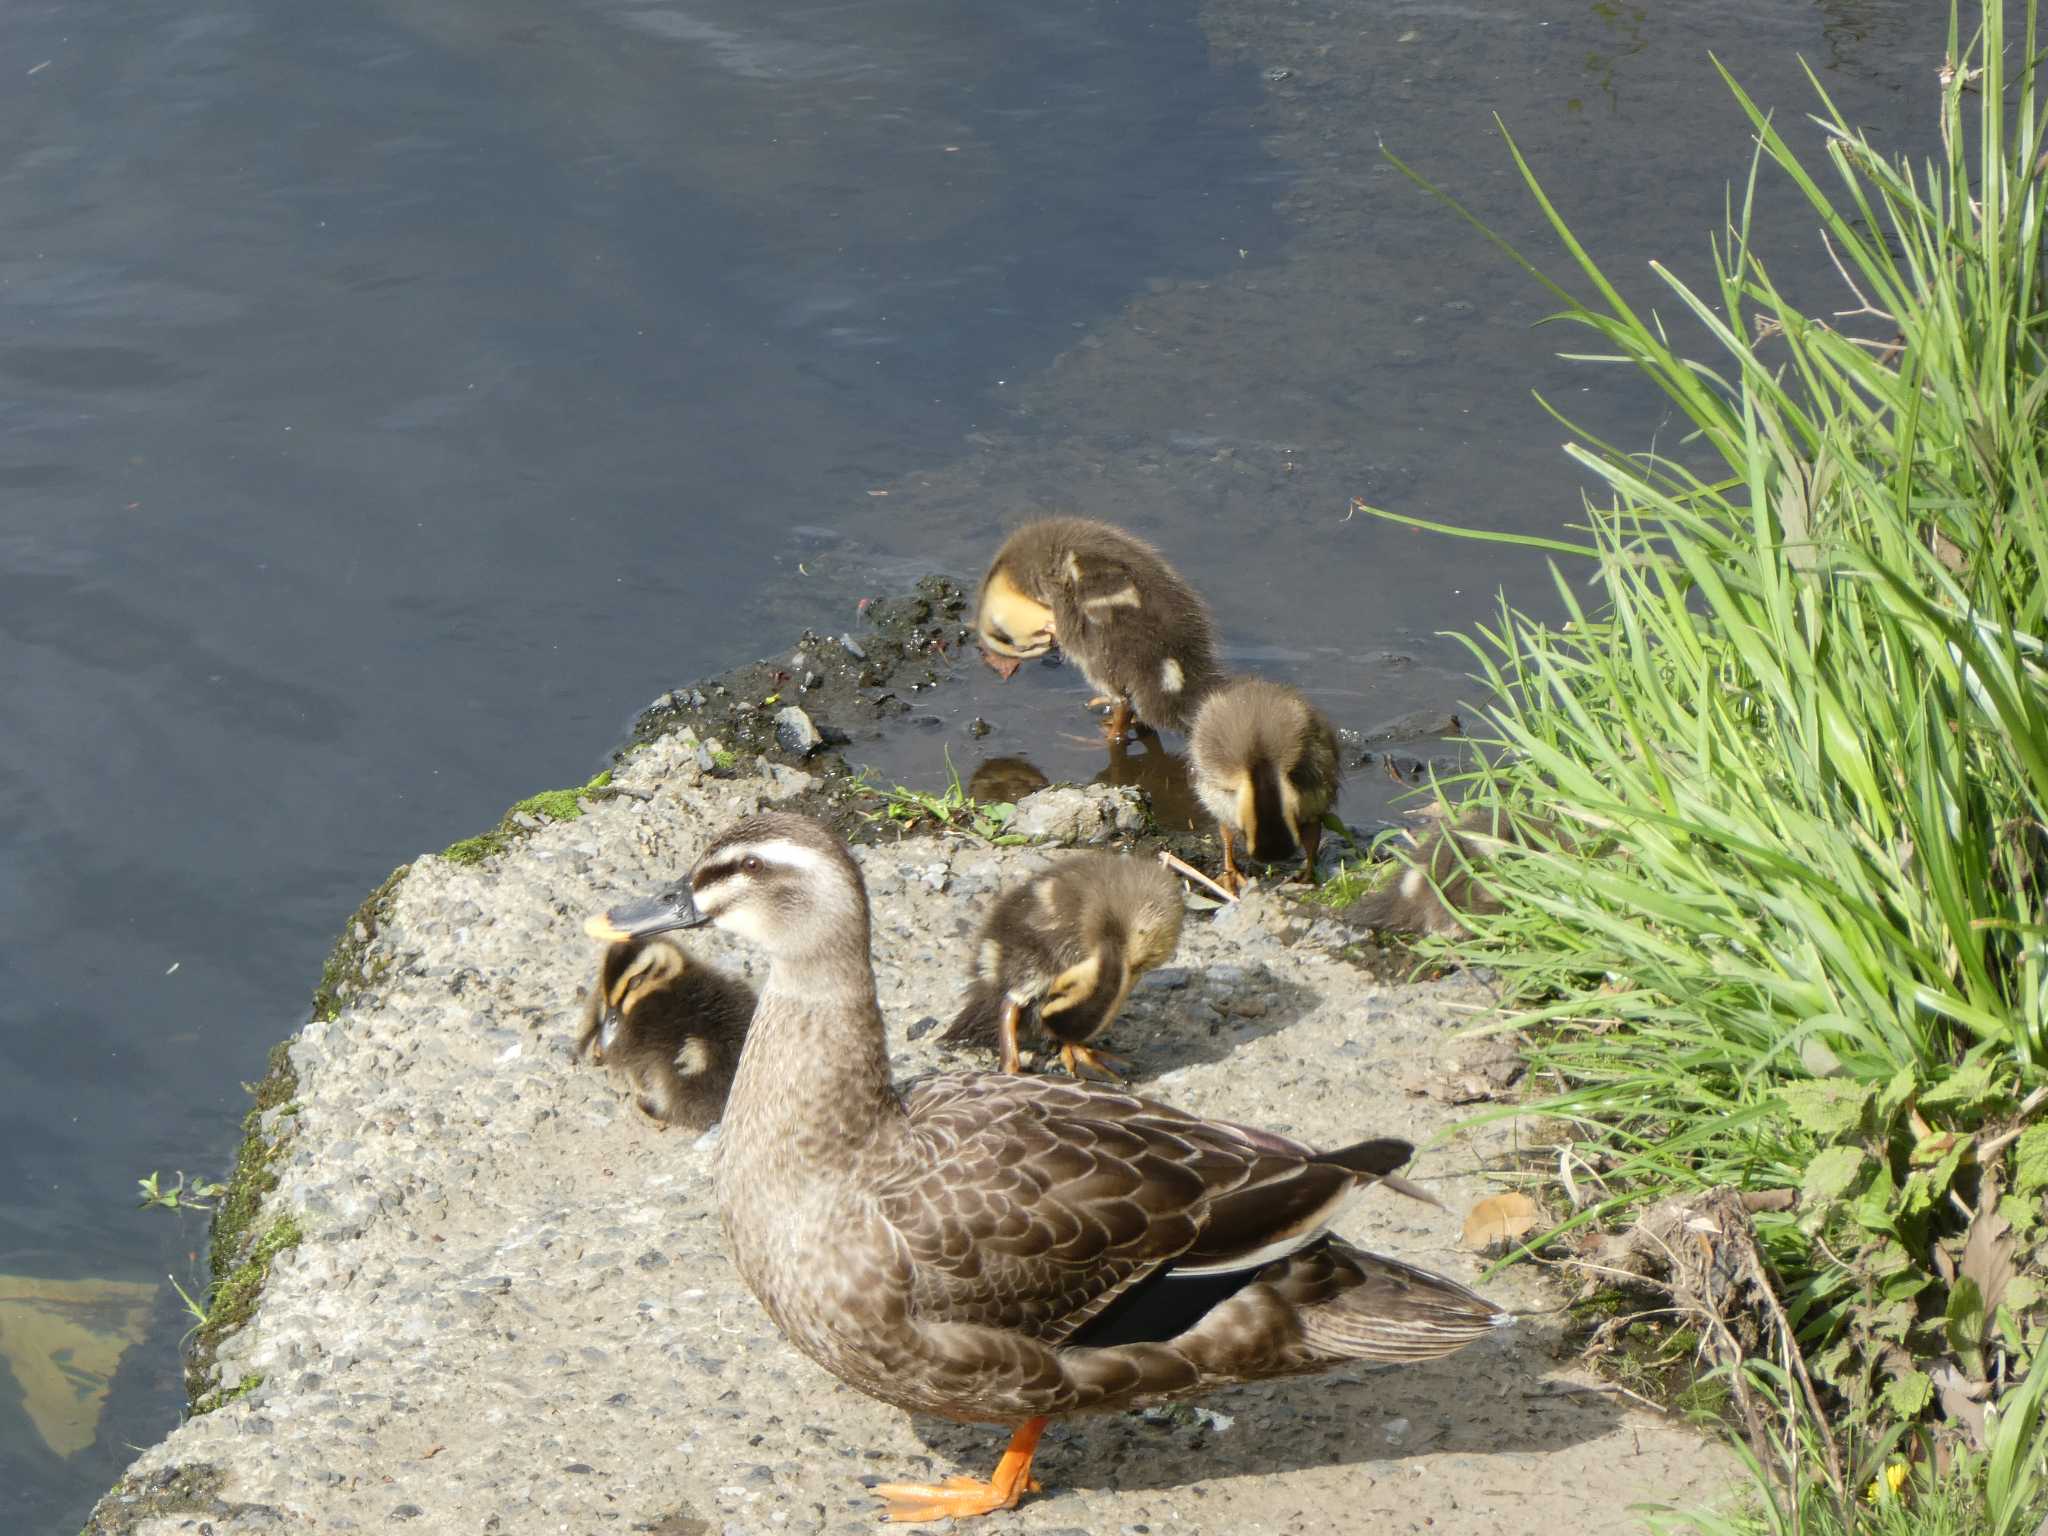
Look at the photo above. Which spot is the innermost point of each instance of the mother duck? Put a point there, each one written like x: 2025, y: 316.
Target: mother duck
x: 1006, y: 1250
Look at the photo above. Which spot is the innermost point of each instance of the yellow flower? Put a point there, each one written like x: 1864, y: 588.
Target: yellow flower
x: 1889, y: 1485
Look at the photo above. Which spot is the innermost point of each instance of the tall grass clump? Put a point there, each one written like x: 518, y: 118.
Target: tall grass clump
x: 1772, y: 805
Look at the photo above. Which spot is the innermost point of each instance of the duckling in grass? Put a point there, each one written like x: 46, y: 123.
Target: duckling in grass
x: 1063, y: 951
x: 1437, y: 891
x: 670, y: 1026
x: 1264, y: 763
x: 1113, y: 605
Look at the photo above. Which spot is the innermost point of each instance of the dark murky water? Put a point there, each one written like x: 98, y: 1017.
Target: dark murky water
x: 393, y: 397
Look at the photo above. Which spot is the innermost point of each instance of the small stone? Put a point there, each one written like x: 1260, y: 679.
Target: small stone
x: 852, y: 648
x: 922, y: 1027
x: 407, y: 1512
x: 795, y: 733
x: 1168, y: 978
x: 1395, y: 1431
x: 705, y: 760
x: 978, y: 727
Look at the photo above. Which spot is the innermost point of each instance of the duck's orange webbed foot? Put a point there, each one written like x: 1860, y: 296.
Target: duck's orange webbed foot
x: 1077, y: 1057
x: 961, y: 1498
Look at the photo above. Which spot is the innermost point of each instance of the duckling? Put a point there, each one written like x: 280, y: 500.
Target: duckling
x: 670, y: 1026
x: 1437, y: 891
x: 1064, y: 950
x: 1137, y: 631
x: 1265, y: 764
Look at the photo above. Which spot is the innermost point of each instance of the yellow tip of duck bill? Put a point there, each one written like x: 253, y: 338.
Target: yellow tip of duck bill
x: 599, y: 925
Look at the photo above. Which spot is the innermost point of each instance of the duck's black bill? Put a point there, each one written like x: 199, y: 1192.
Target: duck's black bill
x: 643, y: 919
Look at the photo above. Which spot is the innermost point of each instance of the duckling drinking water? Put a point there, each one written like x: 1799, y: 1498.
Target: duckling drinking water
x: 1113, y: 605
x: 1264, y: 762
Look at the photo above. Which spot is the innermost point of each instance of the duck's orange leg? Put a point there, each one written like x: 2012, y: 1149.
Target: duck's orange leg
x: 1311, y: 841
x: 1232, y: 879
x: 958, y: 1498
x: 1006, y: 1036
x: 1118, y: 725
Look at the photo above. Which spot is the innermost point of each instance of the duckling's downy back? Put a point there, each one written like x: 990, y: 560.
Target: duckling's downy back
x: 1264, y: 761
x: 1112, y: 604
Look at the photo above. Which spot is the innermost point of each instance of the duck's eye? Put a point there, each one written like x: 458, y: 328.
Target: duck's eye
x: 751, y: 864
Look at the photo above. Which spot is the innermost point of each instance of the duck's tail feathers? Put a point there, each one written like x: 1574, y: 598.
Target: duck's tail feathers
x: 1379, y: 1158
x: 1390, y: 1312
x: 980, y: 1019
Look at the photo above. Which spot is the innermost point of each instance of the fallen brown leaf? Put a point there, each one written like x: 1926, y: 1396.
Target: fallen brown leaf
x: 1500, y: 1219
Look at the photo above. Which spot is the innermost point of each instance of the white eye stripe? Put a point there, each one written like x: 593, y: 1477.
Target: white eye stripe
x: 781, y: 850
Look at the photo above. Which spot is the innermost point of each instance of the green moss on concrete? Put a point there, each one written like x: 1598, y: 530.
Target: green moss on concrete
x: 239, y: 1258
x: 342, y: 975
x: 220, y: 1398
x: 548, y: 805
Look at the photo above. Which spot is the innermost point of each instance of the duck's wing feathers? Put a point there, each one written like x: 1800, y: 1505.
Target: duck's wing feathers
x: 1033, y: 1204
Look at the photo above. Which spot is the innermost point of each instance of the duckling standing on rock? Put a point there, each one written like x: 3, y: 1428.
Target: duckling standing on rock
x: 999, y: 1249
x: 1109, y: 601
x: 668, y: 1025
x: 1064, y: 950
x: 1264, y: 762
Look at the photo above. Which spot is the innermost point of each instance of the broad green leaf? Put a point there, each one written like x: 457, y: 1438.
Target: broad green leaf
x: 1831, y: 1108
x: 1969, y: 1087
x: 1909, y: 1394
x: 1829, y: 1175
x: 2030, y: 1160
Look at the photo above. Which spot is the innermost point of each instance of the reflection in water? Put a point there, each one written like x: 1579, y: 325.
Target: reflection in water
x: 1162, y: 775
x: 1005, y: 780
x: 62, y: 1340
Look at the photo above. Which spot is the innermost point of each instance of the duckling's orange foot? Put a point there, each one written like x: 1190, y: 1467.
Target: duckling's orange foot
x: 957, y: 1498
x: 1078, y: 1057
x: 1233, y: 881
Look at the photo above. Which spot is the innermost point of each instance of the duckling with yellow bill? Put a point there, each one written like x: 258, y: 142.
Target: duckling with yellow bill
x: 1005, y: 1250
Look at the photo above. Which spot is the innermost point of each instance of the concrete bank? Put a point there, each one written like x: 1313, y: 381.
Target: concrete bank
x: 507, y: 1309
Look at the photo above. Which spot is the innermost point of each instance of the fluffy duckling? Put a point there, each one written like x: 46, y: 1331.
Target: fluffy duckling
x: 1001, y: 1250
x: 668, y: 1025
x: 1436, y: 891
x: 1064, y: 950
x: 1109, y: 601
x: 1265, y: 764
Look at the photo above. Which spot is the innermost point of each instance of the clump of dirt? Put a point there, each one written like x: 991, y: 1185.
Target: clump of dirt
x: 848, y: 688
